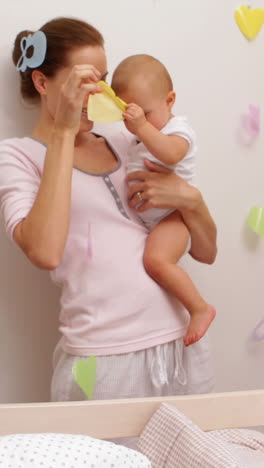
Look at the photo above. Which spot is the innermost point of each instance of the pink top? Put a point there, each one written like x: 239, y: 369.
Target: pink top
x: 109, y: 304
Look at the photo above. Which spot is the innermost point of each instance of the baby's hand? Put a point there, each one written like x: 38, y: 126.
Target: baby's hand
x: 134, y: 118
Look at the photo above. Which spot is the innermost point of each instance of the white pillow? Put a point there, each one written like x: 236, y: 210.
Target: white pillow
x: 66, y: 451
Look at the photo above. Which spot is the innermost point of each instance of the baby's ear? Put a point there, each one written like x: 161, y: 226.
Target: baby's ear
x: 171, y: 98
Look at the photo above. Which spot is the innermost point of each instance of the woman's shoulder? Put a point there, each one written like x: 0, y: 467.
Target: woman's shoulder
x: 19, y: 144
x: 25, y: 151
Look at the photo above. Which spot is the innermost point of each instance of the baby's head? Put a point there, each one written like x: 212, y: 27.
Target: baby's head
x: 145, y: 81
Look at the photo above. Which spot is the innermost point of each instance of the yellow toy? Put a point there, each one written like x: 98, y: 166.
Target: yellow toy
x: 105, y: 106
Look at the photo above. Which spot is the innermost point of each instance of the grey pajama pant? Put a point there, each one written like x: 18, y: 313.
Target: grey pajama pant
x: 167, y: 369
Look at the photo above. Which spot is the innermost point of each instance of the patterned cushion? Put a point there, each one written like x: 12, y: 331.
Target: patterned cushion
x: 173, y: 441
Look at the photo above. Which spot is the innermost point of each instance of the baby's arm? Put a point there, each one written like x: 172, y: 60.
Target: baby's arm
x: 169, y: 149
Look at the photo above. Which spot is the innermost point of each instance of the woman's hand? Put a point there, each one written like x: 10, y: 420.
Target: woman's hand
x: 81, y: 82
x: 158, y: 187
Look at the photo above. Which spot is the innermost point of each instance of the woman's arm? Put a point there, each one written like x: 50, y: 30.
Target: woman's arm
x: 42, y: 235
x: 160, y: 188
x: 202, y: 228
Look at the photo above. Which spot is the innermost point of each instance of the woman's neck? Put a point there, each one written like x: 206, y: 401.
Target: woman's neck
x: 91, y: 154
x: 43, y: 127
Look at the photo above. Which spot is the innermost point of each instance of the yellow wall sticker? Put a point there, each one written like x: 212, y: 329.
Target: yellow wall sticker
x: 249, y: 20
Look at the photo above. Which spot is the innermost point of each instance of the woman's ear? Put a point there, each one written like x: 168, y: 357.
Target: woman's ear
x: 171, y: 98
x: 39, y: 81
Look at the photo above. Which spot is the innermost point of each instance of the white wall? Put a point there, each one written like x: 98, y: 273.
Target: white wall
x: 217, y: 74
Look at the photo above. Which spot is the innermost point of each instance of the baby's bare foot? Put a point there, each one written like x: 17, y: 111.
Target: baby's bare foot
x: 199, y: 324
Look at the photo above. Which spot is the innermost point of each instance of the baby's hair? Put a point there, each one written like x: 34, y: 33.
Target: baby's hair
x: 142, y: 65
x: 63, y: 36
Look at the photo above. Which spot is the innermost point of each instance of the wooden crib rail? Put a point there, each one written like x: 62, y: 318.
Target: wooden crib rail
x: 126, y: 418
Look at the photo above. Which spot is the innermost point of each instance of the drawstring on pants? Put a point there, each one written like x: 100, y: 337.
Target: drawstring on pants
x: 159, y: 364
x: 179, y: 372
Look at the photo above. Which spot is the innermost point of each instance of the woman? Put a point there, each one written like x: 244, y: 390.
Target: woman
x: 64, y: 199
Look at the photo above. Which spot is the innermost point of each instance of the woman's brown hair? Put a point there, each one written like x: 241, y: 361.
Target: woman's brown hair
x: 63, y: 35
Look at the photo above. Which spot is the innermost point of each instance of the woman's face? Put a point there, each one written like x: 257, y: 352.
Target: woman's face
x: 90, y: 55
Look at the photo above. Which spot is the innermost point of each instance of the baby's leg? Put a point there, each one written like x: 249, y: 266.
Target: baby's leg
x: 165, y: 245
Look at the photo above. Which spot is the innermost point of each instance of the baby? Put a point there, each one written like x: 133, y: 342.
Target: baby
x: 145, y: 84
